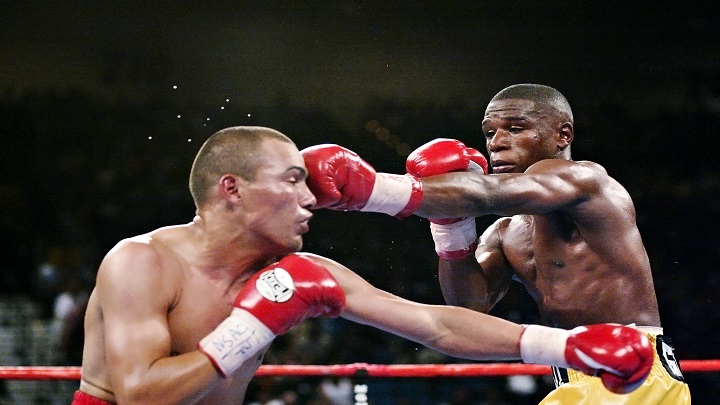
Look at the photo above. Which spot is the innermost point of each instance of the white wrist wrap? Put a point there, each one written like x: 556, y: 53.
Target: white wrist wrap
x: 390, y: 194
x: 454, y: 237
x: 239, y: 337
x: 544, y: 345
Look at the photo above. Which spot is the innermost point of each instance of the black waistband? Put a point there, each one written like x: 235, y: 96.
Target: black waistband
x: 560, y: 376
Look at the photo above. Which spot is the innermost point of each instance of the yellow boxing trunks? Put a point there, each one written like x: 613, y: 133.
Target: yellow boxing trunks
x: 664, y: 385
x: 81, y: 398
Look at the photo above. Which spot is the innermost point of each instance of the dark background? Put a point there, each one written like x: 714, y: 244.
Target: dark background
x: 103, y: 107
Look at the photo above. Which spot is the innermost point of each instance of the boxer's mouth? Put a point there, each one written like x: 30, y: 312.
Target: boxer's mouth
x: 501, y: 166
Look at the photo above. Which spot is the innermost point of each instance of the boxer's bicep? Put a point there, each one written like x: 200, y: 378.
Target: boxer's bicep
x: 134, y: 310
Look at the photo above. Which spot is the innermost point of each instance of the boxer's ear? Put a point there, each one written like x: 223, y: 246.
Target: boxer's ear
x: 567, y: 133
x: 230, y: 187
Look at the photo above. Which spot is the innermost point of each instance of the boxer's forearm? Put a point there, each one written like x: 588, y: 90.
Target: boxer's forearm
x: 182, y: 379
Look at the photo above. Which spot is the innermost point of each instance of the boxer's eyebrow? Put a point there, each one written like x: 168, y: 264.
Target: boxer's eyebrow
x: 301, y: 172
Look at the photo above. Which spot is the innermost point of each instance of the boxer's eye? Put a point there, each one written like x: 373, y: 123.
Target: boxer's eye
x: 295, y: 176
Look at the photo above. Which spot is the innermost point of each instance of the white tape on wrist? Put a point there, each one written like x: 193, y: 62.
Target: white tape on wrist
x: 454, y: 237
x: 239, y: 337
x: 544, y: 345
x: 390, y: 194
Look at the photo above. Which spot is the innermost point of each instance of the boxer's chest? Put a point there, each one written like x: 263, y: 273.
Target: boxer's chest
x: 199, y: 309
x: 544, y: 251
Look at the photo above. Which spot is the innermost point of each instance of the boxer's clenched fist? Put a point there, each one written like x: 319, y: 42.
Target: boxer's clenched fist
x: 341, y: 180
x: 621, y: 356
x: 455, y: 238
x: 273, y: 301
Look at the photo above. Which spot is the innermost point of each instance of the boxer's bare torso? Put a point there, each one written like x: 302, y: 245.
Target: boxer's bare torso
x: 190, y: 302
x: 583, y: 261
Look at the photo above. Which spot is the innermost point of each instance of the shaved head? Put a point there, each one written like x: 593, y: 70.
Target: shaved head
x: 233, y: 150
x: 547, y: 99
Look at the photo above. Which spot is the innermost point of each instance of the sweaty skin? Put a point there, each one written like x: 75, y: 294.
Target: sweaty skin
x: 568, y: 230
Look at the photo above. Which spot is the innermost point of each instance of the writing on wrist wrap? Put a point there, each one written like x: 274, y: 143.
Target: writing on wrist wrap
x: 238, y: 338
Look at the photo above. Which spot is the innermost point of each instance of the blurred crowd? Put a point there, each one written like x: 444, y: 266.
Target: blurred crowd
x: 78, y: 174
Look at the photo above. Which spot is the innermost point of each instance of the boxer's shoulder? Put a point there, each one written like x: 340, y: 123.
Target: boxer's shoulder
x: 167, y: 247
x: 156, y: 260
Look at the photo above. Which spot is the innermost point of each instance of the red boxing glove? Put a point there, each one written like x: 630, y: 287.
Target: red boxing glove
x: 341, y: 180
x: 621, y: 356
x: 442, y: 156
x: 455, y: 238
x: 273, y: 301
